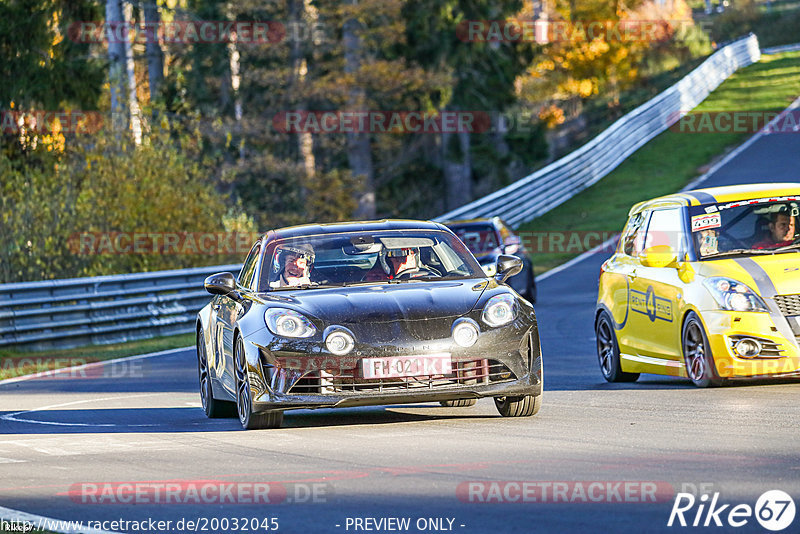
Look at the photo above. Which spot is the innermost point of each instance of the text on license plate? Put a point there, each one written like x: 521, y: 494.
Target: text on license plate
x: 397, y: 366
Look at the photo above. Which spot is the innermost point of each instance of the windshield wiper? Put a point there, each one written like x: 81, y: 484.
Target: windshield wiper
x: 787, y: 248
x: 736, y: 252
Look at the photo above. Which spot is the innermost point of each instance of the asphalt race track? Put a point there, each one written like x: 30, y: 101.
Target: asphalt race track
x: 142, y: 422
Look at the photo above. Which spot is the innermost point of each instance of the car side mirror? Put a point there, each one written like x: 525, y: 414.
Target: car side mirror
x: 659, y: 256
x: 507, y: 266
x: 220, y: 284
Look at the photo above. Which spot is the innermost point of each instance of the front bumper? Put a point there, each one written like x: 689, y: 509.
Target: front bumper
x: 288, y: 374
x: 780, y: 357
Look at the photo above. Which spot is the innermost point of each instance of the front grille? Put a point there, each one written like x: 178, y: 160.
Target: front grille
x: 465, y: 374
x: 769, y: 349
x: 788, y: 304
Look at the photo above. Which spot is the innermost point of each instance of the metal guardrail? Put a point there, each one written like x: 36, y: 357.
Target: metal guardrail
x: 102, y: 309
x: 780, y: 49
x: 111, y: 309
x: 556, y: 183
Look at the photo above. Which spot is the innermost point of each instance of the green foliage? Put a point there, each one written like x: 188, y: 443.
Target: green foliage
x: 774, y: 28
x: 104, y: 185
x: 40, y: 65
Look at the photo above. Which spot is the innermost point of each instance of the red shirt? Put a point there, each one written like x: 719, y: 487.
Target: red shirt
x: 769, y: 243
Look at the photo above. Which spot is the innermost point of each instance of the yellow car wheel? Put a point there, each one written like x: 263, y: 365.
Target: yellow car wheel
x: 697, y: 355
x: 608, y: 352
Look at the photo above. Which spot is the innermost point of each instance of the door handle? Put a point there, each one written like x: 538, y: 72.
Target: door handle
x: 632, y: 274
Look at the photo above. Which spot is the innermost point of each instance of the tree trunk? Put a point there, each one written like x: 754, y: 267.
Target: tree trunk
x: 155, y: 56
x: 305, y: 140
x: 457, y: 166
x: 130, y: 72
x: 359, y: 151
x: 116, y: 64
x: 236, y: 80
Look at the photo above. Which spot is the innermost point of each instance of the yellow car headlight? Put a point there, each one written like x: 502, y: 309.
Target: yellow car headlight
x: 734, y: 296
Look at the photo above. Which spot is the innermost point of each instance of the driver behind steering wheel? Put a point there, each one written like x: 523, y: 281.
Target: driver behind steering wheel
x: 396, y: 262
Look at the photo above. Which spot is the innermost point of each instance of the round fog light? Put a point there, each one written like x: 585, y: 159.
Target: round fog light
x: 747, y: 348
x: 339, y: 342
x: 465, y: 334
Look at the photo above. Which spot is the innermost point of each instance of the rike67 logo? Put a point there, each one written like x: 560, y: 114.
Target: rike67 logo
x: 774, y: 510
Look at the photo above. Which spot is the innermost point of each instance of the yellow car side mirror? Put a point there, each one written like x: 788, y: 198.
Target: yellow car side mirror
x: 659, y: 256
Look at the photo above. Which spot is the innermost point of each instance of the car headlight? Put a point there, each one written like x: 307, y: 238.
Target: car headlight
x: 465, y: 332
x: 499, y: 310
x: 734, y: 296
x: 489, y: 268
x: 339, y: 340
x: 288, y: 323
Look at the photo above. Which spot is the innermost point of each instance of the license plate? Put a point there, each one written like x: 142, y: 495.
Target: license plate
x: 400, y: 366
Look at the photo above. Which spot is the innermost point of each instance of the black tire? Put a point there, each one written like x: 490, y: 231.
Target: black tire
x: 524, y: 406
x: 212, y: 407
x: 697, y: 354
x: 244, y: 400
x: 459, y: 403
x: 608, y: 352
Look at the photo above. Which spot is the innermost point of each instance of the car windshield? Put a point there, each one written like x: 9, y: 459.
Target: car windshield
x: 355, y: 258
x: 758, y: 226
x: 479, y: 238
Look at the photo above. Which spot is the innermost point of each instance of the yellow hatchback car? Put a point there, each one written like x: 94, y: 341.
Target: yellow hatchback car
x: 704, y: 284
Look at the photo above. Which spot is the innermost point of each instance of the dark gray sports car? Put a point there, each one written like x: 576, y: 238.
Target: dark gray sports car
x: 367, y: 313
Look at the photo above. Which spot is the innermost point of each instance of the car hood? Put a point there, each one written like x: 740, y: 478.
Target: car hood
x: 407, y: 301
x: 762, y: 272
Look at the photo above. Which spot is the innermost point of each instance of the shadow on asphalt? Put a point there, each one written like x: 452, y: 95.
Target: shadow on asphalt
x: 190, y: 419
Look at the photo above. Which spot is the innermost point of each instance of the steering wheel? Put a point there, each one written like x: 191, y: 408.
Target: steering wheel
x: 424, y: 271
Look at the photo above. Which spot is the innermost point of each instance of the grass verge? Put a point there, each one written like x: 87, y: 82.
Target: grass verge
x: 17, y: 363
x: 671, y: 160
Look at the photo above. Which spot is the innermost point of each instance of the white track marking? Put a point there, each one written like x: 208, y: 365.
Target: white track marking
x: 13, y: 416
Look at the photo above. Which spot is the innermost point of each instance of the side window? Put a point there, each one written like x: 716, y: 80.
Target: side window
x: 249, y: 267
x: 633, y: 235
x: 665, y: 228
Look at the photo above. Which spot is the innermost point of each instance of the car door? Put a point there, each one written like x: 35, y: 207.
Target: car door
x: 656, y: 292
x: 227, y: 311
x: 617, y: 277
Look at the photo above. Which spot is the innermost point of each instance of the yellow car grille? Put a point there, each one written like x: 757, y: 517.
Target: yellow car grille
x: 788, y: 304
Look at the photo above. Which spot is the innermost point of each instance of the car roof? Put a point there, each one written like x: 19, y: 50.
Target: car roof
x: 713, y: 195
x: 305, y: 230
